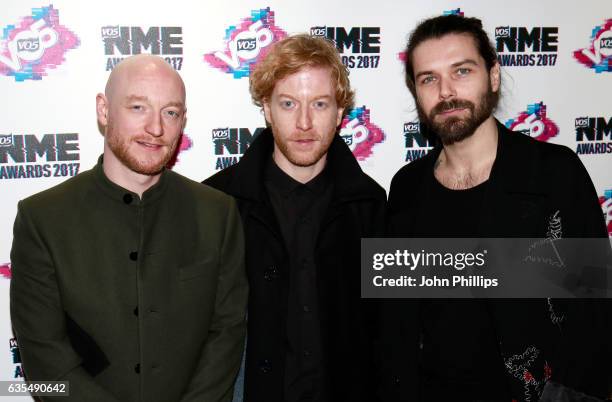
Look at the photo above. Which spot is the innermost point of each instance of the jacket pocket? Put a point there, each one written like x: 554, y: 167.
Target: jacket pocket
x: 196, y: 270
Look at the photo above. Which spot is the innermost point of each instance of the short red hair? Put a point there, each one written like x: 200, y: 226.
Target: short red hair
x: 291, y: 55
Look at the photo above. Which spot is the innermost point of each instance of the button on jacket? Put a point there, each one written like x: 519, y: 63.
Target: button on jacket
x: 130, y: 299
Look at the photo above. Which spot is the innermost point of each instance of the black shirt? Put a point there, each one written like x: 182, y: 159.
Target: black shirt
x: 299, y: 209
x: 460, y: 355
x: 453, y: 213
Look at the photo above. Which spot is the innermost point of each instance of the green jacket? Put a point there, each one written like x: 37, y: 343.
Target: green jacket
x: 130, y: 299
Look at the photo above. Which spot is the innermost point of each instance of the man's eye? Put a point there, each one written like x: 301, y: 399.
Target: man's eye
x: 427, y: 80
x: 320, y: 105
x: 463, y: 71
x: 136, y: 107
x: 172, y: 113
x: 287, y: 104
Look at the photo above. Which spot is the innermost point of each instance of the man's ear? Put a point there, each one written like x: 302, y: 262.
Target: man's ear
x: 266, y: 110
x: 494, y: 76
x: 102, y: 109
x: 339, y: 117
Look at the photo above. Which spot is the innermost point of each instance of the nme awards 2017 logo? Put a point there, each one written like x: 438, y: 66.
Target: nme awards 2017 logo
x: 606, y: 205
x: 416, y: 144
x: 598, y: 55
x: 5, y: 272
x: 363, y: 43
x: 521, y: 46
x: 35, y: 44
x: 591, y: 133
x: 231, y: 143
x: 16, y: 358
x: 166, y: 42
x: 534, y: 122
x: 359, y: 133
x: 246, y: 44
x: 20, y: 156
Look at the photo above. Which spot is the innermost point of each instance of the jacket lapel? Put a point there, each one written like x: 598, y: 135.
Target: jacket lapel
x: 514, y: 195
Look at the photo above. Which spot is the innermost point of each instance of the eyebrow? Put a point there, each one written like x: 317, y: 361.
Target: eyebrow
x: 457, y: 64
x: 177, y: 104
x: 315, y: 97
x: 466, y: 61
x: 132, y: 98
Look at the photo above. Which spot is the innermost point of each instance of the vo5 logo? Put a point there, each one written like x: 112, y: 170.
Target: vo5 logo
x: 534, y: 122
x: 531, y: 126
x: 29, y: 45
x: 245, y: 43
x: 34, y: 44
x: 354, y: 133
x: 359, y: 133
x: 598, y: 55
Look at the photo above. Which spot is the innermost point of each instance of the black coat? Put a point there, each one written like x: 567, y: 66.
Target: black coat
x: 356, y: 210
x: 529, y: 182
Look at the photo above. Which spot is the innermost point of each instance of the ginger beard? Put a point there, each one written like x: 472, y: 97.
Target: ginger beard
x: 120, y: 146
x: 303, y: 158
x: 454, y: 129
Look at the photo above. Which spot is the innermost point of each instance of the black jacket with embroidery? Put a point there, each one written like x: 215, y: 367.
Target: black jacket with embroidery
x: 530, y: 182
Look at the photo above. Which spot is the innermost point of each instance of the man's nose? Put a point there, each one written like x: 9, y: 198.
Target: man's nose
x: 154, y: 125
x: 447, y: 89
x: 304, y: 119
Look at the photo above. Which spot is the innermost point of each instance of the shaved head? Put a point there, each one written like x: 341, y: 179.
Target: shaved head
x: 138, y: 65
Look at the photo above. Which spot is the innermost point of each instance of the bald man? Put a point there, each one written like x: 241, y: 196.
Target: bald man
x: 128, y: 279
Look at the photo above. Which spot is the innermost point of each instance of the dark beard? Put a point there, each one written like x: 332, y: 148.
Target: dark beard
x: 456, y: 129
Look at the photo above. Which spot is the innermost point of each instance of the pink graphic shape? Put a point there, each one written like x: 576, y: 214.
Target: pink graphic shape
x: 5, y: 270
x: 185, y: 144
x: 245, y: 66
x: 51, y: 57
x: 605, y: 201
x: 375, y: 135
x: 587, y: 61
x: 550, y: 128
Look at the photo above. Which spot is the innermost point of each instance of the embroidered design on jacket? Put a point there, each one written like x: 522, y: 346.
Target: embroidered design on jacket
x: 556, y: 319
x: 519, y: 367
x: 555, y: 229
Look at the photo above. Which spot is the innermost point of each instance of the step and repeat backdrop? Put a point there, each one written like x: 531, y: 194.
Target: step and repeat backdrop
x: 55, y: 57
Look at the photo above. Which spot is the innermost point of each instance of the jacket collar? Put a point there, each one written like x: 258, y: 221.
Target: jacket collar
x: 343, y: 170
x: 119, y: 193
x: 287, y: 184
x: 517, y: 163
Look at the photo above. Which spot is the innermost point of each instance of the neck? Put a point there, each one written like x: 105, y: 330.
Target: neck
x: 124, y: 177
x: 302, y: 174
x: 474, y: 152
